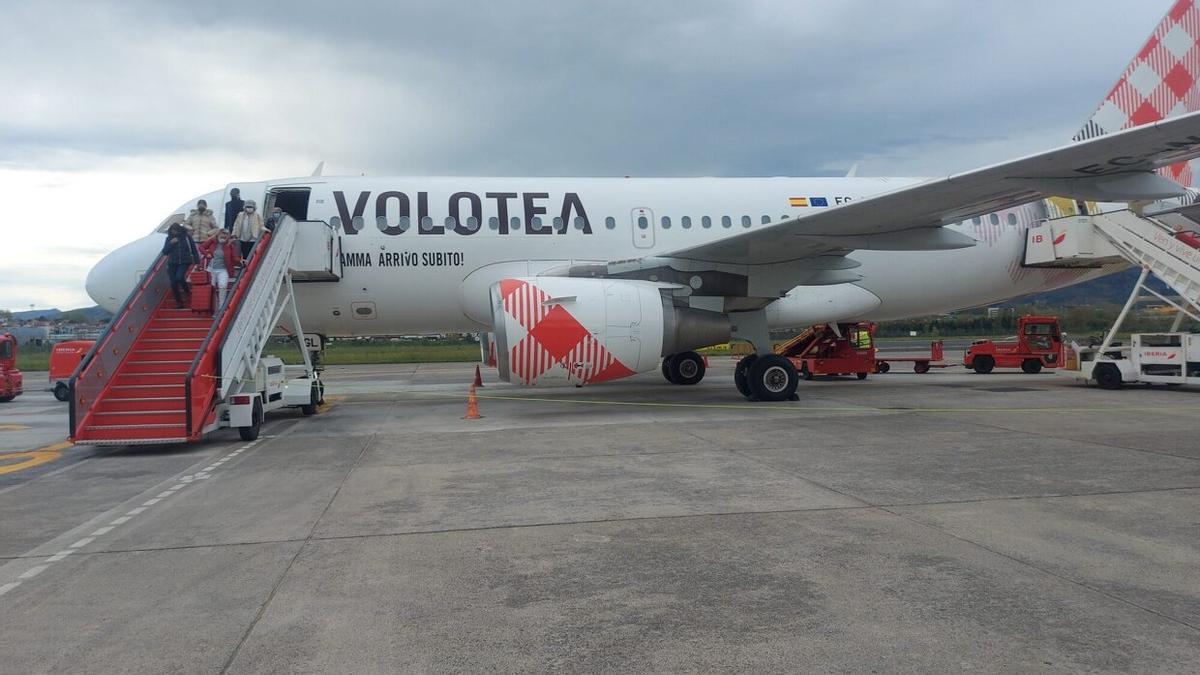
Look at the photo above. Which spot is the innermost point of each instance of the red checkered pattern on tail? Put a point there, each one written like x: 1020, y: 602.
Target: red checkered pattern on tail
x: 1161, y: 82
x: 554, y: 337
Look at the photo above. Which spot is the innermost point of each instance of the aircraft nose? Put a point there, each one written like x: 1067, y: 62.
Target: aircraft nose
x: 110, y: 280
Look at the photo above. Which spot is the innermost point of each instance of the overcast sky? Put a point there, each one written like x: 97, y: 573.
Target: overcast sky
x: 115, y: 113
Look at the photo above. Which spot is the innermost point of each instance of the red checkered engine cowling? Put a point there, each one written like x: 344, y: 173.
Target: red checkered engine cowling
x: 579, y: 330
x: 1160, y: 82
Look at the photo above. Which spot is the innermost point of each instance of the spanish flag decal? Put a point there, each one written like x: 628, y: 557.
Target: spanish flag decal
x: 798, y: 201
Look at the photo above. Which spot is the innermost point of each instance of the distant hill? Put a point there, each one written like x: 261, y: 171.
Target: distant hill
x: 95, y: 313
x: 1113, y: 289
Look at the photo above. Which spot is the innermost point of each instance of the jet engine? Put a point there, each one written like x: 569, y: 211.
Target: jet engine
x: 592, y: 330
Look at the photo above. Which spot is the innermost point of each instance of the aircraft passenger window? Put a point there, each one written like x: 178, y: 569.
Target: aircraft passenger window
x: 558, y: 224
x: 536, y: 224
x: 666, y: 222
x: 427, y: 224
x: 472, y: 224
x: 610, y: 223
x: 745, y: 221
x: 643, y: 223
x: 404, y: 224
x: 335, y: 223
x: 449, y: 223
x: 726, y: 221
x: 1012, y: 219
x: 994, y: 219
x: 357, y: 223
x: 686, y: 222
x: 579, y: 223
x: 766, y: 220
x: 494, y: 223
x: 706, y: 222
x: 514, y: 225
x: 976, y: 220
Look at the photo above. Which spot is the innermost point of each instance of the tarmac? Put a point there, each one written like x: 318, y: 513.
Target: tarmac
x: 938, y: 522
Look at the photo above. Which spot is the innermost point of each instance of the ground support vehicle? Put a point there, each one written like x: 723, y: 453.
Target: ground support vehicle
x: 162, y: 374
x: 12, y: 382
x: 921, y: 364
x: 1164, y: 244
x: 65, y: 357
x: 832, y: 349
x: 1038, y: 345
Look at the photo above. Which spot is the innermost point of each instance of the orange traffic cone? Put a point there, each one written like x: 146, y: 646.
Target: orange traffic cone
x: 472, y: 406
x: 478, y: 377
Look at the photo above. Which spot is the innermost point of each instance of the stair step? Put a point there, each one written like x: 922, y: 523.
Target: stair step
x: 176, y: 368
x: 142, y: 433
x: 139, y: 417
x: 115, y: 404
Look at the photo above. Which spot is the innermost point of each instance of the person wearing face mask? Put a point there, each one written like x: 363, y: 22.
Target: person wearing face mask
x: 224, y: 257
x: 181, y: 254
x: 233, y: 207
x: 248, y: 227
x: 275, y: 219
x: 200, y: 222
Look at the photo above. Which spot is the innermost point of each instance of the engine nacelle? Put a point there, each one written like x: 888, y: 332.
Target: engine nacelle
x: 592, y: 330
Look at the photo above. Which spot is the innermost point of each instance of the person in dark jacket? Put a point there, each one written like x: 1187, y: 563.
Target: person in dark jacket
x: 181, y: 254
x: 233, y: 207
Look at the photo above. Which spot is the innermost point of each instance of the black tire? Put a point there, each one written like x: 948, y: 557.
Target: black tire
x: 984, y: 364
x: 921, y: 367
x: 773, y: 378
x: 666, y: 368
x: 320, y: 393
x: 6, y: 399
x: 861, y: 376
x: 1108, y: 376
x: 741, y: 375
x: 314, y: 400
x: 687, y: 368
x: 1031, y: 366
x: 62, y: 392
x: 250, y: 433
x: 883, y: 367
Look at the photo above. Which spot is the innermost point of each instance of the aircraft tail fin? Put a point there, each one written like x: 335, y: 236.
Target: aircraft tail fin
x: 1162, y: 81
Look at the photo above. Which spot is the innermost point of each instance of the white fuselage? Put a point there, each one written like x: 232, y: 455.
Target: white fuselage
x: 429, y: 273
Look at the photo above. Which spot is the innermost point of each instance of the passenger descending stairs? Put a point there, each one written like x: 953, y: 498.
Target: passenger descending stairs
x: 146, y: 398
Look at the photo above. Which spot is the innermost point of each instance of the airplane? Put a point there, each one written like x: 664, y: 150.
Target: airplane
x: 592, y: 279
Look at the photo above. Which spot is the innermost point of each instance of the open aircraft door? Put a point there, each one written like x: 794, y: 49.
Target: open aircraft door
x: 318, y: 253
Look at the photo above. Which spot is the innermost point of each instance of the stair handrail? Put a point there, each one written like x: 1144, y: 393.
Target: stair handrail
x: 199, y: 399
x: 94, y: 373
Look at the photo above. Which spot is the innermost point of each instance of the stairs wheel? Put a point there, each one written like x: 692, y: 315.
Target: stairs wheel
x: 62, y: 392
x: 250, y: 433
x: 314, y: 398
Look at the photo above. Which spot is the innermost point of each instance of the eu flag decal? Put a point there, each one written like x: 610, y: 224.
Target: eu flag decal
x: 818, y: 201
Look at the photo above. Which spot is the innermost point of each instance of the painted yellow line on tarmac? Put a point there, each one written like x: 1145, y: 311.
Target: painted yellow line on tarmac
x: 812, y: 410
x: 12, y: 427
x: 28, y: 460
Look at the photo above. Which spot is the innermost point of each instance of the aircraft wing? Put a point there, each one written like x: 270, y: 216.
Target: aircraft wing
x: 1115, y: 167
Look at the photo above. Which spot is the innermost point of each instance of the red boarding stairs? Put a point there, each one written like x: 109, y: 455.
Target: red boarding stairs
x: 152, y: 377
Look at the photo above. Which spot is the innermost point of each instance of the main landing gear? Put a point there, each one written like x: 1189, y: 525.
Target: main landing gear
x: 769, y: 377
x: 683, y: 368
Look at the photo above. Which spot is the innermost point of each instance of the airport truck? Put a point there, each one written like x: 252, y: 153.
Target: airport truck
x: 1038, y: 345
x: 11, y: 380
x: 64, y: 359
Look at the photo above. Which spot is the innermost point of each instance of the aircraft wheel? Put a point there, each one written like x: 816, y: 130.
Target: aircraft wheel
x: 1108, y: 376
x: 62, y: 392
x: 741, y: 375
x: 687, y: 368
x: 920, y: 367
x: 773, y: 378
x: 1031, y: 366
x: 666, y: 368
x: 984, y: 364
x: 250, y: 433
